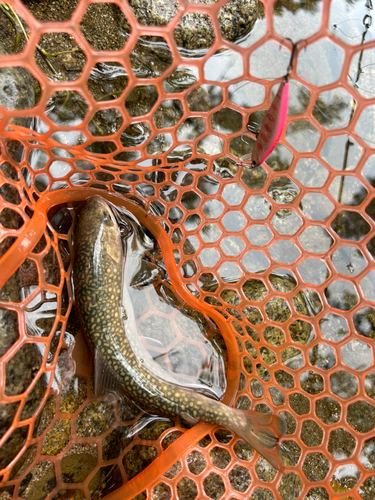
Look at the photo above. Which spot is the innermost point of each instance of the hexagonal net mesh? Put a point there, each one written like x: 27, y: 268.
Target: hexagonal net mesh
x: 145, y: 103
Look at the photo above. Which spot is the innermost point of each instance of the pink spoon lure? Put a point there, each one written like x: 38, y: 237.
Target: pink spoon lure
x: 273, y: 123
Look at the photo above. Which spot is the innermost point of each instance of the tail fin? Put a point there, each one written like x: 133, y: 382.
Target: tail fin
x: 263, y: 432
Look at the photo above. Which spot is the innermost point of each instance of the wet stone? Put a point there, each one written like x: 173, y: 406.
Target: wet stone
x: 21, y: 369
x: 239, y: 478
x: 284, y: 379
x: 265, y: 471
x: 307, y: 302
x: 106, y: 480
x: 107, y: 80
x: 137, y: 459
x: 78, y: 462
x: 328, y: 410
x: 196, y: 462
x: 254, y: 290
x: 284, y: 282
x: 115, y: 442
x: 367, y: 456
x: 277, y: 310
x: 170, y: 438
x: 370, y: 385
x: 243, y: 403
x: 243, y: 451
x: 301, y: 332
x: 290, y: 486
x: 252, y: 334
x: 341, y: 444
x: 268, y: 356
x: 186, y: 489
x: 45, y: 416
x: 247, y: 365
x: 141, y: 496
x: 223, y: 436
x: 17, y: 88
x: 292, y: 358
x: 73, y: 394
x: 318, y: 493
x: 33, y: 399
x: 242, y: 384
x: 290, y: 421
x: 94, y: 419
x: 345, y: 478
x: 6, y: 492
x: 273, y: 335
x: 367, y: 488
x: 7, y: 414
x: 168, y: 114
x: 105, y: 26
x: 277, y: 396
x: 253, y: 316
x: 230, y: 297
x: 38, y: 482
x: 311, y: 434
x: 315, y: 467
x: 364, y: 321
x: 262, y: 494
x: 343, y: 384
x: 361, y: 416
x: 300, y: 404
x: 220, y: 457
x: 12, y: 446
x: 312, y: 382
x: 150, y: 57
x: 56, y: 438
x: 161, y: 492
x: 153, y: 430
x: 291, y: 453
x: 322, y: 356
x: 23, y: 463
x: 251, y: 349
x: 214, y: 486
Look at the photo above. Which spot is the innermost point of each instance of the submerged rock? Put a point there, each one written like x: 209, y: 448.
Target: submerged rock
x: 16, y: 89
x: 236, y: 19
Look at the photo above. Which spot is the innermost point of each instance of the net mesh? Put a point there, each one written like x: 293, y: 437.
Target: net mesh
x: 146, y: 105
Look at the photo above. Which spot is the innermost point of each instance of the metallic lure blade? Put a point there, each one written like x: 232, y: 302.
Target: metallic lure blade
x: 272, y: 126
x: 273, y: 123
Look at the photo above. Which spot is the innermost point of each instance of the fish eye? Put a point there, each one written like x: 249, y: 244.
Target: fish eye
x: 106, y: 218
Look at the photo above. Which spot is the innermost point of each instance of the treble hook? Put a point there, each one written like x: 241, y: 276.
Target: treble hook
x: 367, y: 21
x: 243, y: 140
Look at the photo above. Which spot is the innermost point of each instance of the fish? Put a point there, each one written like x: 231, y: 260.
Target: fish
x: 98, y: 265
x: 273, y: 124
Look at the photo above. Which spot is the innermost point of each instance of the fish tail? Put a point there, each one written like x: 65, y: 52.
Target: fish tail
x: 263, y: 432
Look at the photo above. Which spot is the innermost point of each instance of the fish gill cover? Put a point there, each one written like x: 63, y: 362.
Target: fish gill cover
x: 272, y: 268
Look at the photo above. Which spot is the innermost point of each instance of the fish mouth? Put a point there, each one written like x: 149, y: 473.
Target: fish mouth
x: 101, y: 223
x: 97, y: 203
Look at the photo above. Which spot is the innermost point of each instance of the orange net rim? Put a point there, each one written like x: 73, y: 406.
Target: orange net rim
x: 27, y: 240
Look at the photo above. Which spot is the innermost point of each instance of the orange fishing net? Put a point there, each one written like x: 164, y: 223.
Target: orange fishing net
x: 281, y: 257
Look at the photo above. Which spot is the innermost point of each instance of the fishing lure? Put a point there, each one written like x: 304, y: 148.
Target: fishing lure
x: 273, y: 123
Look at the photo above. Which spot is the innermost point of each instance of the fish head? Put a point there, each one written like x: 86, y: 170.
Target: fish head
x: 99, y: 225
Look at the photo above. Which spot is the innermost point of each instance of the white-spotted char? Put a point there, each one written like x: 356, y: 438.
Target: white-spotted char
x: 98, y: 279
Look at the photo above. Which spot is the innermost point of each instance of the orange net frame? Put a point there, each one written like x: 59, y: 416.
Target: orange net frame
x: 280, y: 257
